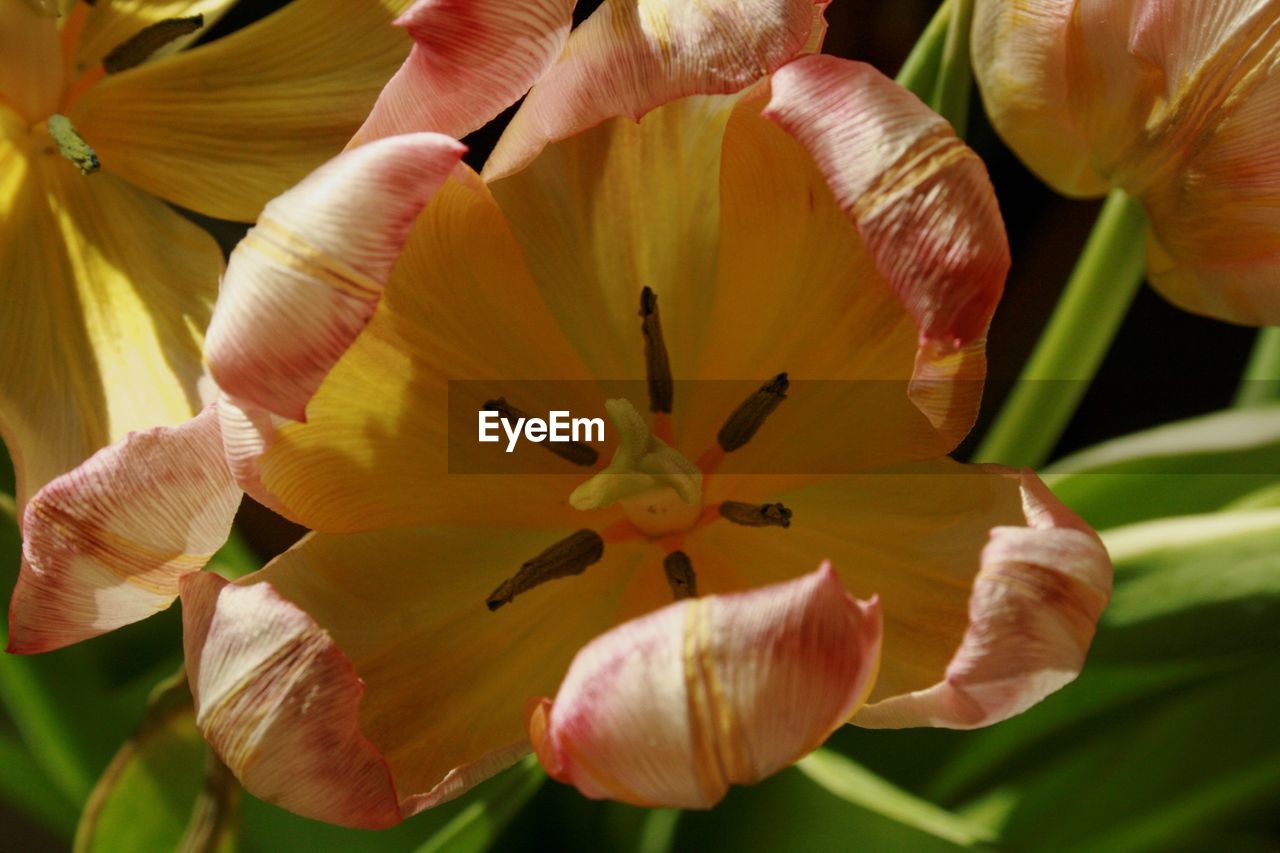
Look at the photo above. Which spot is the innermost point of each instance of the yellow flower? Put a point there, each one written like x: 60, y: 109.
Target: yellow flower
x: 1172, y: 102
x: 103, y: 119
x: 795, y: 234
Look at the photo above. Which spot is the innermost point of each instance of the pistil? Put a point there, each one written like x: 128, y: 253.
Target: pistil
x: 679, y: 570
x: 570, y: 556
x: 747, y: 419
x: 72, y: 145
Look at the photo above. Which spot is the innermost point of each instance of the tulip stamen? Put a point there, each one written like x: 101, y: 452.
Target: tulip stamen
x: 570, y: 451
x: 72, y: 145
x: 680, y: 575
x: 756, y: 515
x: 750, y: 416
x: 657, y: 365
x: 138, y: 48
x: 570, y: 556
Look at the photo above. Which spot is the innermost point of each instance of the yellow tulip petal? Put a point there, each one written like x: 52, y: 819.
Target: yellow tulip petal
x: 30, y: 60
x: 628, y: 58
x: 913, y: 536
x: 225, y: 127
x: 390, y: 435
x: 672, y: 708
x: 109, y: 291
x: 470, y: 61
x: 108, y: 25
x: 360, y: 679
x: 619, y: 207
x: 106, y: 544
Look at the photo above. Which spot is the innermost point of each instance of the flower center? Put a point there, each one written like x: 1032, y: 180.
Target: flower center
x: 658, y: 489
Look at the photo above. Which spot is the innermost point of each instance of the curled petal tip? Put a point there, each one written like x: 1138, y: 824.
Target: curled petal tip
x: 305, y: 281
x: 671, y: 708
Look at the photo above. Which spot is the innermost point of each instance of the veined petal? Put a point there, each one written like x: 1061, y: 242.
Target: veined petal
x: 671, y: 708
x: 276, y: 99
x: 919, y: 197
x: 108, y: 25
x: 30, y: 60
x: 460, y: 323
x: 469, y: 62
x: 109, y: 293
x: 1032, y: 613
x: 360, y: 679
x: 106, y: 544
x: 628, y: 58
x: 307, y: 278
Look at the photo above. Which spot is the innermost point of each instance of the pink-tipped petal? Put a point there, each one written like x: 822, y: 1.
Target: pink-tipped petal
x: 918, y: 196
x: 106, y: 543
x: 278, y: 701
x: 306, y: 279
x: 469, y: 62
x: 671, y: 708
x: 248, y: 432
x: 1032, y: 613
x: 628, y: 58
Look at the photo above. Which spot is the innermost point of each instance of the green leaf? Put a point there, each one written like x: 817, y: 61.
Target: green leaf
x: 1192, y: 466
x: 479, y: 824
x: 24, y: 786
x: 859, y: 786
x: 164, y: 790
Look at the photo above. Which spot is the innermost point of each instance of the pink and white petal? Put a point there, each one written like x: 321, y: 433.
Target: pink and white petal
x: 671, y: 708
x: 306, y: 279
x: 918, y: 196
x: 106, y: 543
x: 248, y: 432
x: 629, y: 58
x: 1032, y: 613
x: 470, y: 61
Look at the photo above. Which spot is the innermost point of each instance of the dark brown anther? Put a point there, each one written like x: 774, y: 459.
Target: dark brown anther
x: 756, y: 515
x: 570, y: 556
x: 138, y: 49
x: 679, y: 569
x: 750, y: 416
x: 570, y: 451
x: 657, y: 366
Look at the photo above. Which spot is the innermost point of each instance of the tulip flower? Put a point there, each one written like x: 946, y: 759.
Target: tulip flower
x: 103, y: 119
x: 686, y: 193
x: 1171, y: 102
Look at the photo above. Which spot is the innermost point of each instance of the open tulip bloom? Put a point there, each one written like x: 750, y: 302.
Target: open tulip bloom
x: 688, y: 192
x: 103, y: 118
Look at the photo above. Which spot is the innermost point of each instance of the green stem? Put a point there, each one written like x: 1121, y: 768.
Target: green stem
x: 951, y: 90
x: 1261, y: 381
x: 919, y: 73
x: 1097, y: 296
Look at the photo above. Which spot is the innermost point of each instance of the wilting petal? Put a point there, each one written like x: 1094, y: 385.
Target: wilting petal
x: 1032, y: 613
x: 671, y: 708
x: 30, y: 59
x: 919, y: 197
x: 100, y: 327
x: 469, y: 62
x: 360, y: 679
x: 276, y: 99
x: 108, y: 25
x: 307, y: 278
x: 106, y: 544
x: 628, y: 58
